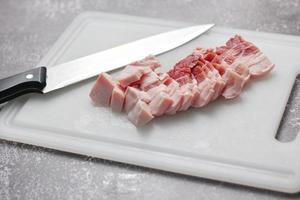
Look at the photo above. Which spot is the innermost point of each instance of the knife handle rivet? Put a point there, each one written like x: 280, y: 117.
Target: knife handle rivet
x: 29, y: 76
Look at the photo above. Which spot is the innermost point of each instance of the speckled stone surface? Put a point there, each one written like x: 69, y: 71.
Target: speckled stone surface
x: 28, y: 28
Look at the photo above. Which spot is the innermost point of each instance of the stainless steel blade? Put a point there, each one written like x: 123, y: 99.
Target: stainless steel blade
x: 80, y: 69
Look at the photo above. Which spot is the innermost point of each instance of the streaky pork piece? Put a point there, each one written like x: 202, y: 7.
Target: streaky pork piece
x: 241, y: 57
x: 156, y: 90
x: 222, y: 63
x: 176, y: 95
x: 205, y: 70
x: 132, y: 95
x: 204, y: 94
x: 131, y: 74
x: 102, y: 90
x: 163, y: 77
x: 117, y: 98
x: 144, y: 96
x: 149, y: 80
x: 187, y: 94
x: 237, y: 48
x: 149, y: 61
x: 177, y: 99
x: 160, y: 104
x: 186, y: 101
x: 257, y: 65
x: 140, y: 114
x: 194, y: 81
x: 234, y: 84
x: 172, y: 86
x: 195, y: 94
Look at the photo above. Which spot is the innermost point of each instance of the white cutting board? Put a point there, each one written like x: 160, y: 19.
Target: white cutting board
x: 229, y: 140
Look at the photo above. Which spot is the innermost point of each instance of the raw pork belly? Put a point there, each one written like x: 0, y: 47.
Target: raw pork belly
x: 194, y: 81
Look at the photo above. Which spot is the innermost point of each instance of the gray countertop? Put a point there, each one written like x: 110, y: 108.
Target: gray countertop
x: 28, y: 28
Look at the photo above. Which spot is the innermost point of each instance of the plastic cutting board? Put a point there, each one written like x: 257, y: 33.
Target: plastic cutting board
x: 228, y: 140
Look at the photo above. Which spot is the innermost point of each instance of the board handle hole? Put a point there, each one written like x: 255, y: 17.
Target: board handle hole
x: 290, y: 122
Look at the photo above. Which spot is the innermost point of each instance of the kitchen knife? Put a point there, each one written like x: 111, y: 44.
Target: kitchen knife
x: 44, y: 80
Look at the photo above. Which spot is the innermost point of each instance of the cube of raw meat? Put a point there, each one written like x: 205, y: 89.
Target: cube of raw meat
x: 144, y: 96
x: 177, y: 99
x: 149, y: 61
x: 173, y: 86
x: 163, y: 77
x: 132, y: 95
x: 140, y: 114
x: 149, y: 80
x: 187, y: 92
x: 195, y: 94
x: 156, y: 90
x: 131, y: 74
x: 187, y: 100
x: 160, y: 104
x: 166, y: 80
x: 213, y: 75
x: 204, y: 95
x: 117, y: 99
x: 102, y: 90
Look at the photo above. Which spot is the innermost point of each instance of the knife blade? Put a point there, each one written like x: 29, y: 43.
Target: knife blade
x: 44, y: 80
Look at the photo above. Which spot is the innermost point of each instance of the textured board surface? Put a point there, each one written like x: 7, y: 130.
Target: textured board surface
x: 231, y: 140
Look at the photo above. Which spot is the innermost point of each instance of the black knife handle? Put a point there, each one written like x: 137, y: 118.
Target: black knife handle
x: 31, y: 81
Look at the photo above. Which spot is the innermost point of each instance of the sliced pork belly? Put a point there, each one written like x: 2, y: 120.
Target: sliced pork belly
x: 173, y: 86
x: 132, y: 74
x: 102, y: 90
x: 187, y: 94
x: 204, y: 94
x: 182, y: 72
x: 164, y: 77
x: 218, y: 87
x: 149, y: 61
x: 234, y: 84
x: 160, y: 104
x: 156, y: 90
x: 149, y: 80
x: 186, y: 100
x: 132, y: 95
x: 242, y: 58
x: 134, y: 71
x: 144, y: 96
x: 195, y: 94
x: 239, y: 49
x: 176, y: 94
x: 194, y: 81
x: 117, y: 98
x: 240, y: 68
x: 177, y: 99
x: 205, y: 70
x: 260, y: 66
x: 140, y: 114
